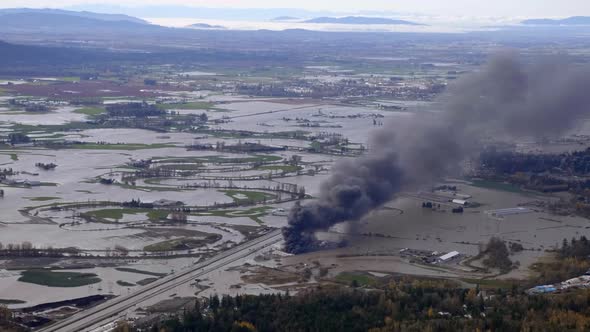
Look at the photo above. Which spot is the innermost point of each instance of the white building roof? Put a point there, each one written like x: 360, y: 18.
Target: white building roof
x: 448, y: 256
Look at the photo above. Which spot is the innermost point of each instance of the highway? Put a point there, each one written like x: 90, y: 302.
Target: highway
x: 112, y: 310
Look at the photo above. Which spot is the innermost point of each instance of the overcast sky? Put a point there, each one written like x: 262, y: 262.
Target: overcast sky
x: 511, y: 8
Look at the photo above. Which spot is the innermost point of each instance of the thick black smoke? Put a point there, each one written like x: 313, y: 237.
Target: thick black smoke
x: 505, y: 99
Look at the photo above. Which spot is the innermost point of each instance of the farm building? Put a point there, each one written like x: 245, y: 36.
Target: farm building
x: 447, y: 257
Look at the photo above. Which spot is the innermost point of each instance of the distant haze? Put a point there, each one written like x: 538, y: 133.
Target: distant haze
x: 457, y: 8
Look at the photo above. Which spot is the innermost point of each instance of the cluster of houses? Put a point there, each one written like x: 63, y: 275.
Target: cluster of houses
x: 582, y: 281
x: 28, y: 101
x: 429, y: 257
x: 446, y: 196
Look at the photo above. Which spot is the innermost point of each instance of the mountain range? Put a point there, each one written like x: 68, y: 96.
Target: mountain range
x: 570, y: 21
x: 71, y: 22
x: 206, y: 26
x: 179, y: 11
x: 82, y: 14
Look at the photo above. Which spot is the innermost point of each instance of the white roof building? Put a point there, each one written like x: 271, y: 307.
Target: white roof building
x: 448, y: 256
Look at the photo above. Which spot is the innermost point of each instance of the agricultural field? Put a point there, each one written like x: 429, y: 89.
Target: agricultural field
x: 115, y: 183
x: 117, y: 176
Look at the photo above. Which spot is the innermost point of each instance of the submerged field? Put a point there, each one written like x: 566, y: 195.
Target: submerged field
x: 126, y: 183
x: 123, y: 194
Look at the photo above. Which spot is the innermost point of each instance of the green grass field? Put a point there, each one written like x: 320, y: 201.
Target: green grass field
x: 281, y: 168
x: 69, y: 79
x: 490, y: 283
x: 110, y: 215
x: 359, y: 279
x: 42, y: 198
x: 9, y: 302
x: 105, y: 214
x: 243, y: 195
x: 156, y: 215
x: 58, y: 279
x: 85, y: 191
x: 181, y: 244
x: 146, y: 281
x: 13, y: 156
x: 149, y: 273
x: 501, y: 186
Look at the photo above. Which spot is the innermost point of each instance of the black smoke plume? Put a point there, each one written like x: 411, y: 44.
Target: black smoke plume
x: 506, y: 99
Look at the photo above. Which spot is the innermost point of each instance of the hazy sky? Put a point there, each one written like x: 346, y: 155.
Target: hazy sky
x: 529, y: 8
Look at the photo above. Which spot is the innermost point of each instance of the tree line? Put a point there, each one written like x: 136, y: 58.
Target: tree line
x: 398, y: 305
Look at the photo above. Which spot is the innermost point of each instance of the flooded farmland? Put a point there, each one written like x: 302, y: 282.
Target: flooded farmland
x: 135, y: 193
x: 112, y: 191
x: 182, y: 196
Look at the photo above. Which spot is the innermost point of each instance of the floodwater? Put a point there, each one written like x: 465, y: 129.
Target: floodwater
x: 61, y: 115
x: 351, y: 122
x: 77, y: 171
x: 426, y: 229
x: 76, y: 168
x: 33, y: 294
x: 198, y: 73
